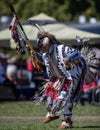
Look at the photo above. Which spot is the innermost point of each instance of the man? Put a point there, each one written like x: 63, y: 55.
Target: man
x: 66, y: 67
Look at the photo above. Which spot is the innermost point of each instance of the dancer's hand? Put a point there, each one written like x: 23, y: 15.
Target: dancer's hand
x: 65, y: 60
x: 48, y: 85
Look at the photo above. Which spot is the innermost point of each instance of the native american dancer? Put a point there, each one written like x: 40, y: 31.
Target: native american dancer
x: 66, y: 70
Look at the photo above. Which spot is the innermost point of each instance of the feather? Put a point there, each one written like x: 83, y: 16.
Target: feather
x: 90, y: 56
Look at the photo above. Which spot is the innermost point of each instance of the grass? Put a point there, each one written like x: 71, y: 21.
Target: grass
x: 36, y: 125
x: 30, y: 113
x: 25, y: 108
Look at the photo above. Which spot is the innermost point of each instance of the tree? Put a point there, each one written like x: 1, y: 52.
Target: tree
x: 62, y: 10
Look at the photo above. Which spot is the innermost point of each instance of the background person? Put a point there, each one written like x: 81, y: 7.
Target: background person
x: 30, y: 69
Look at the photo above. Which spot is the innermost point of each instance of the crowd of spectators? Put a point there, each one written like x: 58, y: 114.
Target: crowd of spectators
x: 91, y: 92
x: 18, y: 73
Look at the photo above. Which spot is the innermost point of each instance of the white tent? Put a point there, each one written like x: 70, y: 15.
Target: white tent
x: 64, y: 32
x: 61, y: 31
x: 42, y: 17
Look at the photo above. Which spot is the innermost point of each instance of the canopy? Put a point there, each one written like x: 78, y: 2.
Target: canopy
x: 42, y: 17
x: 61, y: 31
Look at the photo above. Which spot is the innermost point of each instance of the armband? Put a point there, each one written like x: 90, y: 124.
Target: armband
x: 73, y: 56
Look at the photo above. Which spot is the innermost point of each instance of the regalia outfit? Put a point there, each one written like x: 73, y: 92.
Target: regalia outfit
x: 64, y: 82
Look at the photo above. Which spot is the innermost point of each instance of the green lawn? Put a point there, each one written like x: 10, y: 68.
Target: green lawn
x: 27, y: 116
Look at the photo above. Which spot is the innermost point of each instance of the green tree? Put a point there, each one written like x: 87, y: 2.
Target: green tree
x: 62, y: 10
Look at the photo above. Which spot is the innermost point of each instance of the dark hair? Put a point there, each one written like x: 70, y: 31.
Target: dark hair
x: 52, y: 38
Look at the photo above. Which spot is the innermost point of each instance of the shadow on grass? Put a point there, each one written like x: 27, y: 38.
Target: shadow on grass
x: 87, y: 127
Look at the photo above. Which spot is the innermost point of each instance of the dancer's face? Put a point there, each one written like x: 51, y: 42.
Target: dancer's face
x: 45, y: 48
x: 43, y: 45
